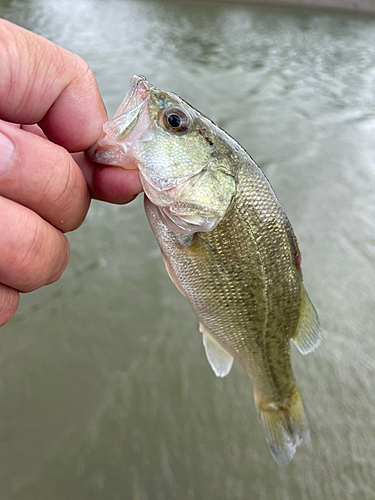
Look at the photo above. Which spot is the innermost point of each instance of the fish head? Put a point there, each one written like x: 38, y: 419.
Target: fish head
x: 183, y: 158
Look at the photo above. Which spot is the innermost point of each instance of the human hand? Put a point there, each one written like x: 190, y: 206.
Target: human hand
x: 44, y: 191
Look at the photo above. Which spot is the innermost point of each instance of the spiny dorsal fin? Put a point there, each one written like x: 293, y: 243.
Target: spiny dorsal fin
x: 220, y: 360
x: 307, y: 336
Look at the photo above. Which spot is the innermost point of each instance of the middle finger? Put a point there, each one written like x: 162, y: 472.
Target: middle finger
x: 42, y: 176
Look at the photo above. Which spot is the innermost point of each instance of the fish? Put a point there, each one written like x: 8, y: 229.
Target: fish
x: 227, y: 245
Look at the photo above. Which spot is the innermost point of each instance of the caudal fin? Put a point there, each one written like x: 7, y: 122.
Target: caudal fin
x: 285, y: 428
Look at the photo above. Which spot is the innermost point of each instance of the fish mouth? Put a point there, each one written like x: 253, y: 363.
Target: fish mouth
x: 116, y: 139
x: 137, y: 95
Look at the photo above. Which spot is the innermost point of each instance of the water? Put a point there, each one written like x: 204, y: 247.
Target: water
x: 105, y: 392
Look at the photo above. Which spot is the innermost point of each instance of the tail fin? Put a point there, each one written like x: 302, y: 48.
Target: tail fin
x: 285, y: 428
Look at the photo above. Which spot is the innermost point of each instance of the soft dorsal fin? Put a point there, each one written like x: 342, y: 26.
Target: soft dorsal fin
x: 220, y: 360
x: 307, y: 336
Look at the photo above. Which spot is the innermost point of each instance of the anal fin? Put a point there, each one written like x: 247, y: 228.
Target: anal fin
x: 307, y: 336
x: 220, y: 360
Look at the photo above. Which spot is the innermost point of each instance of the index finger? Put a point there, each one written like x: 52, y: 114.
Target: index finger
x: 42, y: 83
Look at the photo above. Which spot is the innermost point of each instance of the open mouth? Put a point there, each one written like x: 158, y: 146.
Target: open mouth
x: 138, y: 93
x: 115, y: 142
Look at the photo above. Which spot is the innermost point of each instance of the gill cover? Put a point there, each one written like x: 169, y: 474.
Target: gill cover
x: 174, y: 148
x: 203, y: 201
x: 181, y: 170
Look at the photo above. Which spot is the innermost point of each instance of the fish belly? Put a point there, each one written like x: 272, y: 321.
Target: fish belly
x: 244, y: 285
x: 242, y: 282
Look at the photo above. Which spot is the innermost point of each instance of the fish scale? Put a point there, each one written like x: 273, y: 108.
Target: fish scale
x: 227, y: 245
x: 233, y: 307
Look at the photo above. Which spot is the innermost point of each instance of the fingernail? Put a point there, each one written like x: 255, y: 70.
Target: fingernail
x: 6, y: 153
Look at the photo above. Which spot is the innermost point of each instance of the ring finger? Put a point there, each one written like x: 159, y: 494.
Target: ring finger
x: 33, y: 252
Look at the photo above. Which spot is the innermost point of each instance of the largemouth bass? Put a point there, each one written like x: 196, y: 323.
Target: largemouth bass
x: 227, y: 245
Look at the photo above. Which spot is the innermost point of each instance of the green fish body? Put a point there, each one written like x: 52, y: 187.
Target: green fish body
x: 227, y: 245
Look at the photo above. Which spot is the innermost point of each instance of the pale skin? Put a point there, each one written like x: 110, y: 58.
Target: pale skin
x: 46, y: 183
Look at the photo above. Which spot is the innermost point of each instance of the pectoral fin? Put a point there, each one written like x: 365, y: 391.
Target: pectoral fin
x: 220, y: 360
x: 307, y: 336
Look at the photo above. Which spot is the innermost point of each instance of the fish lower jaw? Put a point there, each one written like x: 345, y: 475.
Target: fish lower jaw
x: 109, y: 155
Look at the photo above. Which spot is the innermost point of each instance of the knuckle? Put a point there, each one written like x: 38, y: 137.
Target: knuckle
x: 42, y: 257
x: 60, y: 263
x: 83, y: 74
x: 83, y: 70
x: 6, y: 67
x: 9, y: 300
x: 66, y: 191
x: 17, y: 55
x: 56, y: 186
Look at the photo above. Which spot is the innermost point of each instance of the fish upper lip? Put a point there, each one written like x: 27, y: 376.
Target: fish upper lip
x: 138, y: 93
x: 138, y: 85
x: 141, y: 85
x: 107, y: 149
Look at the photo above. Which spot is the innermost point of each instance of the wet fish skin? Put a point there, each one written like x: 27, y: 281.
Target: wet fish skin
x: 229, y: 247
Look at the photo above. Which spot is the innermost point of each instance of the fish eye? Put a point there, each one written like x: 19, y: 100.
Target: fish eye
x: 176, y: 120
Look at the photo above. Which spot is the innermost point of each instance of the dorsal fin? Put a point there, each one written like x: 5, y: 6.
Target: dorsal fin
x: 307, y: 336
x: 220, y: 360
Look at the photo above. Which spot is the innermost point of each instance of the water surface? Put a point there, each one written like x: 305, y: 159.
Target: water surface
x: 105, y: 392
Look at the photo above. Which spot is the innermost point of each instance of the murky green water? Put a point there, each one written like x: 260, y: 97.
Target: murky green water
x: 105, y: 392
